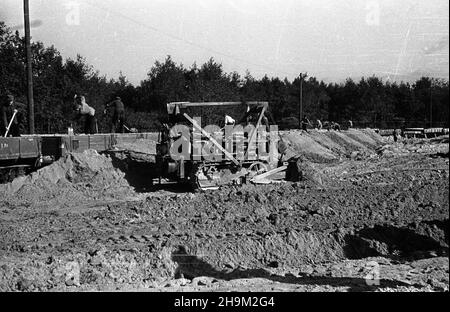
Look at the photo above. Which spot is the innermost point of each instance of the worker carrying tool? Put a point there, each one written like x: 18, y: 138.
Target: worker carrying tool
x: 305, y: 123
x: 83, y: 109
x: 118, y: 118
x: 10, y: 125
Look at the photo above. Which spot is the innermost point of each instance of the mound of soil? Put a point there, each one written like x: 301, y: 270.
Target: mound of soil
x: 144, y: 146
x: 367, y: 137
x: 415, y: 146
x: 304, y: 144
x: 331, y: 146
x: 79, y: 176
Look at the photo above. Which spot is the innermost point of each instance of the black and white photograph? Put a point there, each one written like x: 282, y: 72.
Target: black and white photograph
x: 230, y: 150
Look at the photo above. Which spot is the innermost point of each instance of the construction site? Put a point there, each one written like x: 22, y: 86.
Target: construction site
x: 365, y: 213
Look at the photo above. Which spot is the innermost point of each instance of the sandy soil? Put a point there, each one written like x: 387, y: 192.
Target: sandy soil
x: 378, y: 221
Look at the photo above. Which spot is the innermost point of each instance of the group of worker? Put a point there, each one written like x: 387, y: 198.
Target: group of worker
x: 10, y: 119
x: 10, y: 115
x: 82, y: 109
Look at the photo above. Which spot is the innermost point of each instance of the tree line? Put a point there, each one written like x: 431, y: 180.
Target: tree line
x: 369, y: 102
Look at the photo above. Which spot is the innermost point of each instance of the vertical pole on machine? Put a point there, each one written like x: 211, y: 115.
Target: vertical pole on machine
x: 26, y: 11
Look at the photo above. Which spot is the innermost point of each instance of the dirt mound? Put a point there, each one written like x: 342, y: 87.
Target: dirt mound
x: 78, y: 176
x: 303, y: 144
x: 366, y: 136
x: 317, y: 146
x: 415, y: 146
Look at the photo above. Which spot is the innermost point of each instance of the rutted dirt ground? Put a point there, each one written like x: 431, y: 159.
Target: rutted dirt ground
x: 378, y: 221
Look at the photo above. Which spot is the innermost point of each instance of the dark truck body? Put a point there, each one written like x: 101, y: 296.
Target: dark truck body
x: 19, y: 150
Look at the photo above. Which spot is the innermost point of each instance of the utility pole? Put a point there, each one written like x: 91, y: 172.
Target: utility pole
x: 300, y: 116
x: 26, y: 13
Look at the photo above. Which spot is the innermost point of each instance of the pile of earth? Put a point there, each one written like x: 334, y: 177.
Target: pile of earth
x: 143, y: 146
x: 315, y: 145
x: 331, y: 146
x: 86, y: 176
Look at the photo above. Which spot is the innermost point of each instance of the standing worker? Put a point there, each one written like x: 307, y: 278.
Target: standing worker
x: 8, y: 114
x: 83, y: 109
x: 336, y: 126
x: 117, y: 124
x: 319, y: 124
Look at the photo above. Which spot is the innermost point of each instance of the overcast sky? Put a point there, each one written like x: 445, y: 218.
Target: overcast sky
x: 328, y: 39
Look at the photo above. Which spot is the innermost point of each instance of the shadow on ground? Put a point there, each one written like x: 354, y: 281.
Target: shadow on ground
x: 191, y: 266
x: 406, y: 243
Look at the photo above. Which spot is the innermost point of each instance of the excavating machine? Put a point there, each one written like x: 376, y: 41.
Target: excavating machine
x: 209, y: 156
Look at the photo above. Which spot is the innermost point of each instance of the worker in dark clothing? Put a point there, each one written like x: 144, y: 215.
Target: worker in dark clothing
x: 8, y: 114
x: 305, y: 123
x: 117, y: 124
x: 83, y: 109
x: 336, y: 126
x: 397, y: 134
